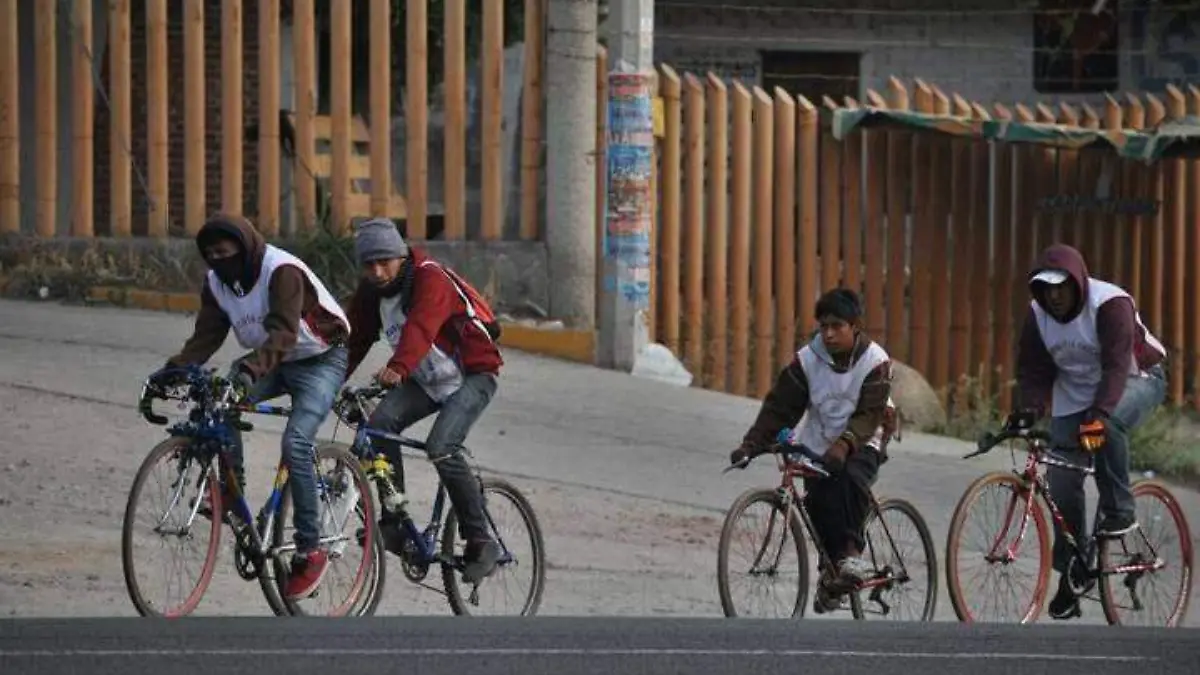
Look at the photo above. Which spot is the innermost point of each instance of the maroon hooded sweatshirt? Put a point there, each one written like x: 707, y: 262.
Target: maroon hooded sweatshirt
x: 1121, y: 339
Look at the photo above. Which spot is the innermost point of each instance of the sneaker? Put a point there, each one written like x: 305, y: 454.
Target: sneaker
x: 853, y: 569
x: 479, y: 560
x: 1116, y: 526
x: 305, y: 576
x: 1065, y: 604
x: 826, y: 598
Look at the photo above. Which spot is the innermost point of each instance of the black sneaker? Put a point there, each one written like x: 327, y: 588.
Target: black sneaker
x: 1065, y: 604
x: 391, y: 528
x: 826, y: 598
x: 1116, y: 526
x: 479, y: 560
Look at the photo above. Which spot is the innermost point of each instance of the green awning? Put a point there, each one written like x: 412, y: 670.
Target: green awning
x: 1171, y: 139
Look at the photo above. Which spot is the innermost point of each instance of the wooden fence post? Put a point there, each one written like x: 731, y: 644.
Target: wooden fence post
x: 717, y: 235
x: 157, y: 97
x: 83, y: 104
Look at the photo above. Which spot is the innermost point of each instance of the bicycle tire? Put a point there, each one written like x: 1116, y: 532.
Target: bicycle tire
x: 929, y: 609
x: 1041, y: 528
x: 144, y: 608
x: 1158, y: 490
x: 274, y: 574
x: 450, y: 580
x: 744, y: 501
x: 376, y: 578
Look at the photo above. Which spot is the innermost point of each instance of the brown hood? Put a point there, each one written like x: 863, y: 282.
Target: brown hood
x: 1066, y: 259
x: 239, y: 229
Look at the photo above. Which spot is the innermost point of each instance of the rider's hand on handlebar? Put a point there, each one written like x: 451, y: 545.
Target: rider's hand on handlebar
x: 387, y: 377
x: 165, y: 377
x: 740, y: 457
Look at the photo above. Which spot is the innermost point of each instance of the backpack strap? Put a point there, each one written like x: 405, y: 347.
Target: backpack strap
x: 471, y: 314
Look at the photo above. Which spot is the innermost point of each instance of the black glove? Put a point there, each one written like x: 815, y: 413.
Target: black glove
x: 1021, y: 419
x: 167, y: 376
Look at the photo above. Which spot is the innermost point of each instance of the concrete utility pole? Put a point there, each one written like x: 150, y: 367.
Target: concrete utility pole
x: 626, y: 291
x: 571, y: 160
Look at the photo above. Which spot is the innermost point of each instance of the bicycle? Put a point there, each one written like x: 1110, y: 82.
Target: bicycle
x: 891, y: 573
x: 1083, y: 574
x: 423, y: 548
x: 206, y: 435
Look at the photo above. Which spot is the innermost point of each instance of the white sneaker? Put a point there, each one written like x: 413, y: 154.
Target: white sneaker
x: 855, y: 569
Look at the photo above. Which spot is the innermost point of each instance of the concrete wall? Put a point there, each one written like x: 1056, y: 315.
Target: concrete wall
x: 982, y: 56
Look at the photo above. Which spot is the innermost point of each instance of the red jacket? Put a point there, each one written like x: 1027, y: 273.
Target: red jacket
x: 437, y: 315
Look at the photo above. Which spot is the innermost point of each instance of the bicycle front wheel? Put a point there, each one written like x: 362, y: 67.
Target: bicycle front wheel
x: 1157, y: 597
x: 905, y: 583
x: 344, y: 506
x: 763, y: 555
x: 986, y: 537
x: 175, y: 480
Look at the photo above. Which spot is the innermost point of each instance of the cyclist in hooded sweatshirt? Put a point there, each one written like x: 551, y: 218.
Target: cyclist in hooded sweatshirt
x: 1084, y: 351
x: 278, y: 308
x: 836, y: 392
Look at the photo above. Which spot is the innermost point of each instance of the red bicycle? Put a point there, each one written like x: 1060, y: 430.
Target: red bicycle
x: 904, y: 582
x: 1126, y: 567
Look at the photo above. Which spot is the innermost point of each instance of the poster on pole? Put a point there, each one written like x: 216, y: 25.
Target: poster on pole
x: 629, y: 216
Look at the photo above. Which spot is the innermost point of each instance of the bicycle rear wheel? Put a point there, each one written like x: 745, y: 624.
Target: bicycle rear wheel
x: 1002, y: 529
x: 521, y: 550
x: 1163, y: 534
x: 342, y: 513
x: 174, y: 523
x: 908, y: 569
x: 763, y: 559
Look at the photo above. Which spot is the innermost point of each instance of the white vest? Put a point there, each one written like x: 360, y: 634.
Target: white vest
x: 832, y: 397
x: 246, y: 313
x: 1075, y: 348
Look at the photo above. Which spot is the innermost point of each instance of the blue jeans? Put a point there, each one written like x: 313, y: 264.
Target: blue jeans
x: 1142, y: 395
x: 313, y: 383
x: 408, y: 404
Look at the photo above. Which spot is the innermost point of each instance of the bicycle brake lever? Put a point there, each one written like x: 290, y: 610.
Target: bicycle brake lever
x: 737, y: 465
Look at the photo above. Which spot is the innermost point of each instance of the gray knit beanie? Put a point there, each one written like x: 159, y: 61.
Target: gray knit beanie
x: 378, y: 239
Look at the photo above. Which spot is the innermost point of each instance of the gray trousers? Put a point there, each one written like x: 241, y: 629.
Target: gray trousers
x: 1142, y: 395
x: 409, y: 404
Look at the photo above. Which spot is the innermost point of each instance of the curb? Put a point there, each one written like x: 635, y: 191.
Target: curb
x: 569, y: 345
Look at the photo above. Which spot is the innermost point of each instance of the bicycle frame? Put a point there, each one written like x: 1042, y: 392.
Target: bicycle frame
x: 1034, y: 485
x: 249, y: 539
x: 425, y: 541
x: 792, y: 497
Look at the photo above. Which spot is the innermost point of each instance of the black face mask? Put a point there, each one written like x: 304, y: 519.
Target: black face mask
x: 229, y: 271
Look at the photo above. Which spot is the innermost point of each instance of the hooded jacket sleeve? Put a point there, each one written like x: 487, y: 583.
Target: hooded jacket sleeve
x: 872, y: 406
x: 282, y: 323
x: 211, y: 329
x: 782, y: 407
x: 1116, y: 329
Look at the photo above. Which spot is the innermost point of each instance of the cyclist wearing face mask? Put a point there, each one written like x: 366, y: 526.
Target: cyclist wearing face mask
x: 278, y: 308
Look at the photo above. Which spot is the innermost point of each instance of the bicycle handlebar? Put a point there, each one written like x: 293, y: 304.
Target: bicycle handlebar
x: 205, y: 380
x: 990, y: 440
x: 808, y: 459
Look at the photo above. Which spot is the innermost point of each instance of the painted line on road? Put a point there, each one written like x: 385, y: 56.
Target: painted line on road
x: 93, y: 653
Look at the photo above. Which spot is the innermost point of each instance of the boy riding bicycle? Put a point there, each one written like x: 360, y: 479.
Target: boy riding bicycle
x: 836, y: 392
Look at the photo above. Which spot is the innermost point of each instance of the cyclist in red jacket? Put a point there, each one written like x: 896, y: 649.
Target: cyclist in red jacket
x: 444, y: 360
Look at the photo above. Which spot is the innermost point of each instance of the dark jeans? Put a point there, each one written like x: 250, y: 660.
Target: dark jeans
x: 409, y: 404
x: 838, y: 505
x: 313, y: 385
x: 1142, y: 395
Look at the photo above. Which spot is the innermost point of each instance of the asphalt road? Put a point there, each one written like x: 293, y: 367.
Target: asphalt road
x: 579, y: 646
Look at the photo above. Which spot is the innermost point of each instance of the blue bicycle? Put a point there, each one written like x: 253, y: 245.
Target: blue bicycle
x: 196, y: 455
x: 420, y: 549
